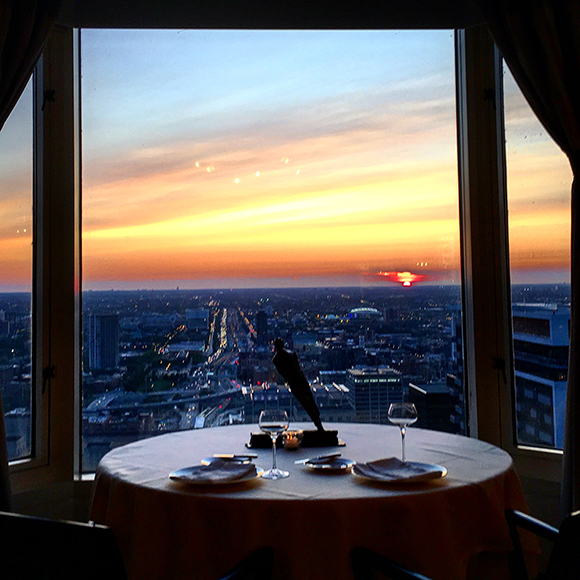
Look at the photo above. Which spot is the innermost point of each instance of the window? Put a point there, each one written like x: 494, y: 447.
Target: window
x: 539, y: 180
x: 16, y: 276
x: 58, y: 317
x: 240, y: 186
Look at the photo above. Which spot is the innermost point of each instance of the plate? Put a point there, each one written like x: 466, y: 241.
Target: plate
x: 241, y: 459
x: 330, y: 464
x: 217, y: 473
x: 393, y: 470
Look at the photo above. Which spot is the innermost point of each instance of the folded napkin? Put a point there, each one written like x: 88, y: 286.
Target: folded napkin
x: 393, y: 469
x: 322, y: 460
x: 218, y: 471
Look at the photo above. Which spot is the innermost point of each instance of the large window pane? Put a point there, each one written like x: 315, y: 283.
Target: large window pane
x: 539, y: 181
x: 240, y: 186
x: 16, y: 275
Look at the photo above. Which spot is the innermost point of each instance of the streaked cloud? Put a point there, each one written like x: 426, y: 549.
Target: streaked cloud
x: 330, y: 154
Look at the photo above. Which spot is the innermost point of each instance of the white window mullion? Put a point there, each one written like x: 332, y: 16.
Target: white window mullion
x: 484, y: 237
x: 488, y: 342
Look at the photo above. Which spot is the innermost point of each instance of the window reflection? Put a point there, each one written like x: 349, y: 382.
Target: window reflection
x: 539, y: 180
x: 16, y: 275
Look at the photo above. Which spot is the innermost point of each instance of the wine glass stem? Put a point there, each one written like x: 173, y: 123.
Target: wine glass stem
x: 403, y: 431
x: 274, y: 451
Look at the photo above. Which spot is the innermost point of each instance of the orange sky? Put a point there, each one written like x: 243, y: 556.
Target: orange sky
x: 224, y: 170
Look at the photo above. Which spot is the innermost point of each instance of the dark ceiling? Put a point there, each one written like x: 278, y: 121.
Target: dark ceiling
x: 284, y: 14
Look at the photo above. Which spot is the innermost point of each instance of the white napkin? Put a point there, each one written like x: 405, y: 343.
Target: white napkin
x: 218, y: 471
x: 393, y: 469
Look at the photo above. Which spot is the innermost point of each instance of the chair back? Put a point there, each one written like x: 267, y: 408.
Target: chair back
x: 5, y: 496
x: 564, y: 562
x: 33, y: 548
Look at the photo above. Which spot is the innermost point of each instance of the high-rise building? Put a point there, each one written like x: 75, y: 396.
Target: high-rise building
x: 103, y: 341
x: 372, y: 390
x: 541, y: 339
x: 455, y: 380
x: 435, y: 404
x: 262, y: 327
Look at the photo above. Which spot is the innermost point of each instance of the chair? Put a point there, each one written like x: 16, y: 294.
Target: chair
x: 563, y: 564
x: 366, y: 562
x: 33, y: 548
x: 564, y: 560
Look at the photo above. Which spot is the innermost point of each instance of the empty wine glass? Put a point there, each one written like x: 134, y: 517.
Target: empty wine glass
x: 274, y: 422
x: 403, y: 415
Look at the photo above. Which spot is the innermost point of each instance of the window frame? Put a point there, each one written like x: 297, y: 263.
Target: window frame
x: 485, y: 256
x: 485, y: 265
x: 56, y: 267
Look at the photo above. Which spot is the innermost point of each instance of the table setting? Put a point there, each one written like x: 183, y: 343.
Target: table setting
x: 274, y: 428
x: 328, y: 504
x: 194, y: 503
x: 238, y: 468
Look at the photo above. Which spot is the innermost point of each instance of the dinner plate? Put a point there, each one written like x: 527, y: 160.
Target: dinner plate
x: 217, y: 473
x: 393, y: 470
x: 242, y: 459
x: 330, y: 464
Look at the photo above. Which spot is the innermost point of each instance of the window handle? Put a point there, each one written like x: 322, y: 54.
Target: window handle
x: 47, y: 374
x: 48, y: 97
x: 499, y: 365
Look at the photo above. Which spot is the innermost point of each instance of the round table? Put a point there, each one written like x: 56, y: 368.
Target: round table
x: 450, y: 528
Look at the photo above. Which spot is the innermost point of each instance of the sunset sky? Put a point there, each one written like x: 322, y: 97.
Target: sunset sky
x: 224, y: 159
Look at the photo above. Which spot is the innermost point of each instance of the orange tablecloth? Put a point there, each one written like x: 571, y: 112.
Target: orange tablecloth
x: 452, y: 528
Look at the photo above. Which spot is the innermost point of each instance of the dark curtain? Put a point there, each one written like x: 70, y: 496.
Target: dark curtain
x: 24, y: 28
x: 540, y: 42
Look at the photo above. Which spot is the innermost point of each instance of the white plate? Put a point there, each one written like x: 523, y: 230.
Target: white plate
x: 330, y: 464
x: 210, y: 475
x: 242, y: 459
x: 393, y: 470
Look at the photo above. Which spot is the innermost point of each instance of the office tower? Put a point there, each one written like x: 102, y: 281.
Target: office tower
x: 103, y: 341
x: 541, y: 340
x: 372, y: 390
x: 435, y: 404
x: 455, y: 374
x: 262, y: 327
x: 197, y: 319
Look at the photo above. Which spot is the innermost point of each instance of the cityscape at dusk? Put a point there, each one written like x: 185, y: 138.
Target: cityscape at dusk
x: 239, y: 186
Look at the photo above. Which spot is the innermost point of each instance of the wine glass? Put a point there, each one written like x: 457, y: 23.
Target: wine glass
x: 274, y: 422
x: 403, y: 415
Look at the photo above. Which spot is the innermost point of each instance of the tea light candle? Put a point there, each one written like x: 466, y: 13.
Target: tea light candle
x: 291, y: 440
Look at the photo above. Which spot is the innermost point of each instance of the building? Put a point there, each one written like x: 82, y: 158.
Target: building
x: 541, y: 340
x: 435, y: 405
x: 333, y: 401
x: 197, y: 319
x: 372, y: 390
x: 455, y: 376
x: 262, y: 327
x: 103, y: 341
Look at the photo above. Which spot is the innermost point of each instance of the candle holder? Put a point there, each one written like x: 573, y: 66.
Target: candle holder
x: 292, y: 439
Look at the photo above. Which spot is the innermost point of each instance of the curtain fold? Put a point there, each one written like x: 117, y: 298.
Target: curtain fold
x: 540, y: 42
x: 24, y: 28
